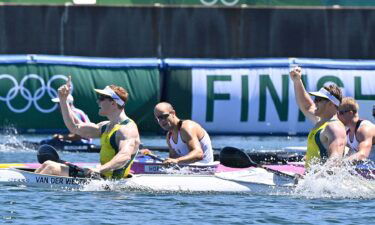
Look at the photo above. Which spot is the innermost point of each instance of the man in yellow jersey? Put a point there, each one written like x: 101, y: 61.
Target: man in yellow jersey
x: 118, y: 135
x: 188, y: 142
x: 360, y: 132
x: 328, y: 138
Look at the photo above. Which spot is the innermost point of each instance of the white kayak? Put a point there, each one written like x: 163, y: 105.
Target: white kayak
x: 245, y: 180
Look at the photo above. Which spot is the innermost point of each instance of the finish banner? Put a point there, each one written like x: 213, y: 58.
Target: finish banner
x: 28, y: 84
x: 260, y: 98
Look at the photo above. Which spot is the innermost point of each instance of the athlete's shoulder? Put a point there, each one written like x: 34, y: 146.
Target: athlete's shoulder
x: 129, y: 129
x: 367, y: 123
x: 190, y: 124
x: 335, y: 122
x: 366, y: 127
x: 191, y: 128
x: 336, y: 128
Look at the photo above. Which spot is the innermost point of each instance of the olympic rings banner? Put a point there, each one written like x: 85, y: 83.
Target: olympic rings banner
x: 27, y: 84
x: 257, y: 96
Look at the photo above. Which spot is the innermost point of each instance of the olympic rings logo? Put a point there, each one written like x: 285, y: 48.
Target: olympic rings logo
x: 32, y: 98
x: 225, y: 2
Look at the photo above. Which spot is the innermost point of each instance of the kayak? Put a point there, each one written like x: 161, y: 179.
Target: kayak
x: 236, y: 172
x: 223, y: 179
x: 243, y: 180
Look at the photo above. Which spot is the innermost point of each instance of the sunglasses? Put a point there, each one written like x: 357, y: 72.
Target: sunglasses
x: 102, y: 97
x: 342, y: 112
x: 319, y: 99
x: 163, y: 116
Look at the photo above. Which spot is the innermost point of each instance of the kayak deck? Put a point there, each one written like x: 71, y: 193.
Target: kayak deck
x: 250, y: 180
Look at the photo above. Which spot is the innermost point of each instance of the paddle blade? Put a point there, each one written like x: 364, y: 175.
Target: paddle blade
x: 47, y: 152
x: 235, y: 158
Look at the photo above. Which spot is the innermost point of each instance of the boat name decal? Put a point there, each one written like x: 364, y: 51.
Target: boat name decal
x: 152, y: 168
x: 61, y: 180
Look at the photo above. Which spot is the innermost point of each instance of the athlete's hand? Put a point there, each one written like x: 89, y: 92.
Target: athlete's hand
x: 65, y: 90
x: 170, y: 161
x: 145, y: 151
x: 296, y: 73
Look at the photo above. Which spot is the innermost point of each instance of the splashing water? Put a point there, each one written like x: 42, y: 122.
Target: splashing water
x: 11, y: 141
x: 100, y: 185
x: 188, y: 170
x: 332, y: 180
x: 112, y: 185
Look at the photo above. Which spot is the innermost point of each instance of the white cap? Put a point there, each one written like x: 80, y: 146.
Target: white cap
x: 69, y: 99
x: 109, y: 92
x: 323, y: 93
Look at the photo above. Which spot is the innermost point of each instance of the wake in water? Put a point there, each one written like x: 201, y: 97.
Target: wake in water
x: 100, y: 185
x: 188, y: 170
x: 335, y: 181
x: 116, y: 185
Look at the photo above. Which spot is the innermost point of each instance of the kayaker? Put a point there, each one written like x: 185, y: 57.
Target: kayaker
x: 119, y: 137
x: 188, y: 142
x: 328, y: 137
x: 80, y: 117
x: 360, y: 132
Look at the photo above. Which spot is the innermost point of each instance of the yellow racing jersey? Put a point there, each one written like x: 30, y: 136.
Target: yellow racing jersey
x: 315, y: 149
x: 109, y: 149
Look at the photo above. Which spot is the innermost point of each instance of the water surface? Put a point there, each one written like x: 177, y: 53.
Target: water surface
x: 327, y: 205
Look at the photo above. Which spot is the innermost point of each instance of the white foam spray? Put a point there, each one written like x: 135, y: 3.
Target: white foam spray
x: 335, y: 180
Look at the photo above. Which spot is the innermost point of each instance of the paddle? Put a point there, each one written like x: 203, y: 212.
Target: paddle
x: 154, y: 157
x: 176, y: 166
x: 235, y: 158
x: 162, y: 148
x: 47, y: 152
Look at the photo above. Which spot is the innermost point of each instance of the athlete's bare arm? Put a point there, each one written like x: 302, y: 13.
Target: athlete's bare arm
x: 364, y: 137
x: 89, y: 130
x: 334, y: 138
x: 190, y: 135
x: 305, y: 103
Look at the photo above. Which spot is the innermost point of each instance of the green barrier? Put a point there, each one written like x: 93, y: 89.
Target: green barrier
x: 26, y: 91
x: 208, y: 2
x: 178, y: 91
